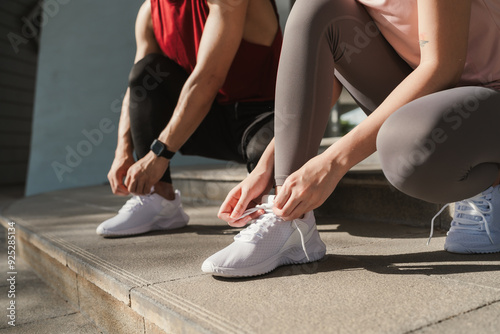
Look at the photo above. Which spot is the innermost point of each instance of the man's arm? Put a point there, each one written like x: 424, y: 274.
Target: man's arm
x: 220, y: 41
x: 146, y: 44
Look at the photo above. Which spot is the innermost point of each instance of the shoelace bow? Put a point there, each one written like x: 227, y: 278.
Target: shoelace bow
x: 136, y: 201
x: 480, y: 205
x: 268, y: 218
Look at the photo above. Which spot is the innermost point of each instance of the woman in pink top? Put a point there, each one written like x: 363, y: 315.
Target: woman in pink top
x: 427, y: 74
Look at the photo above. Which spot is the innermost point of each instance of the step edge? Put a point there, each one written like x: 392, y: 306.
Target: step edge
x: 48, y: 248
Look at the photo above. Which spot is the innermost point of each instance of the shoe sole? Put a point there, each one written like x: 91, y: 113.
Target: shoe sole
x: 463, y: 250
x: 287, y: 256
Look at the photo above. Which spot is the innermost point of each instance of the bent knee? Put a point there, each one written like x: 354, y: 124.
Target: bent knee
x: 412, y: 158
x: 430, y: 166
x: 145, y: 68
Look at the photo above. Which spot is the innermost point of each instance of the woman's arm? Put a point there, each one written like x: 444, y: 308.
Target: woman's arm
x: 249, y: 192
x: 443, y: 31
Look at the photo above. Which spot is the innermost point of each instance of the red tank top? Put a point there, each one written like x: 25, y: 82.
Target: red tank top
x: 178, y: 26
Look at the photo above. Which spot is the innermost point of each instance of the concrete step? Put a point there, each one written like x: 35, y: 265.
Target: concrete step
x: 363, y: 193
x: 153, y: 283
x: 36, y: 307
x: 132, y: 285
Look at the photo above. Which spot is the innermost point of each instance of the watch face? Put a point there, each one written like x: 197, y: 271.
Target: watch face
x: 157, y: 147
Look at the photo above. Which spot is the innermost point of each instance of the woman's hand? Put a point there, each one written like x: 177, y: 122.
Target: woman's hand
x: 307, y: 188
x: 145, y: 173
x: 246, y: 195
x: 117, y: 173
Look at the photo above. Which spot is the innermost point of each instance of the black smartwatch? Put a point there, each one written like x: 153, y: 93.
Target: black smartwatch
x: 160, y: 150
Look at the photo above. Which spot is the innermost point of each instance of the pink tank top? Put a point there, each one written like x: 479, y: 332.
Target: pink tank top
x: 397, y: 20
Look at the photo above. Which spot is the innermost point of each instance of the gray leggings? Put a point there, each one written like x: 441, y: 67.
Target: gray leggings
x: 441, y: 148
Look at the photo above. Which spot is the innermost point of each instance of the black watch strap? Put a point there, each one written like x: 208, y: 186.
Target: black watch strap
x: 160, y: 150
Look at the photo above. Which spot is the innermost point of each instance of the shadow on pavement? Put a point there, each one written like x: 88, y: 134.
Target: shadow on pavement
x: 424, y: 263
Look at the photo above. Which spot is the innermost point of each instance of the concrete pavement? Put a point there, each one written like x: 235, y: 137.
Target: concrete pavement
x: 376, y: 277
x: 38, y: 308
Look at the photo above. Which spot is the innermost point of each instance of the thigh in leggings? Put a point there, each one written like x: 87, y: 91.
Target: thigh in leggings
x: 324, y: 38
x: 443, y: 147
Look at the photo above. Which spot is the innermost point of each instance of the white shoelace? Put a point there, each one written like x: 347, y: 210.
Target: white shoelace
x: 135, y: 202
x: 467, y: 218
x: 261, y: 224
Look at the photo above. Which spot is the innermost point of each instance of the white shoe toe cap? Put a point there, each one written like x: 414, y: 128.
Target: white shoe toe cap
x: 208, y: 267
x: 100, y: 230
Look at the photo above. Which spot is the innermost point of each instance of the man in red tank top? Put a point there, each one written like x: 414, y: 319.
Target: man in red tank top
x: 203, y: 84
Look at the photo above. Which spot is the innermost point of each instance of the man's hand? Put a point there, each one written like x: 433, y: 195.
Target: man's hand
x: 145, y: 173
x: 117, y: 173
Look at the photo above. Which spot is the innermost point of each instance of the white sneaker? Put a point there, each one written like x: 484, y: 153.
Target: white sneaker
x: 267, y: 243
x: 474, y: 228
x: 146, y: 213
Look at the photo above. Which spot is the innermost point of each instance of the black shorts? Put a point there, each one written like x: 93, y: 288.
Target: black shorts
x: 226, y: 132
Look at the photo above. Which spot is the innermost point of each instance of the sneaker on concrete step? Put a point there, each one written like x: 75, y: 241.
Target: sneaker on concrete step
x: 142, y: 214
x: 476, y: 224
x: 268, y: 242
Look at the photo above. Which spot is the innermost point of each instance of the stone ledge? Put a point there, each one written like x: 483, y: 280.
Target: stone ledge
x: 152, y: 283
x: 363, y: 193
x: 97, y: 288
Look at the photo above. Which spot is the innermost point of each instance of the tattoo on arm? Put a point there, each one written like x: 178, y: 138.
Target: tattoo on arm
x: 422, y: 43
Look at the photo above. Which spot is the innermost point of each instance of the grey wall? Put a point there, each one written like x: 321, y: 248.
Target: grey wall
x: 284, y: 7
x: 87, y: 49
x: 85, y: 55
x: 18, y: 55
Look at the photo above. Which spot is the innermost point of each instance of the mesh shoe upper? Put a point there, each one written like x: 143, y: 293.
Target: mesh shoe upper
x: 474, y: 228
x: 141, y: 213
x: 260, y: 246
